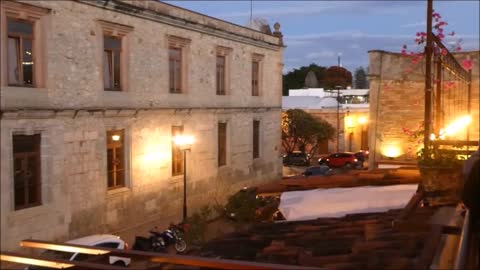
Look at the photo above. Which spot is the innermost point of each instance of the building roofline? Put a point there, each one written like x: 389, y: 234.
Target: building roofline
x: 217, y: 19
x: 398, y: 53
x: 137, y: 9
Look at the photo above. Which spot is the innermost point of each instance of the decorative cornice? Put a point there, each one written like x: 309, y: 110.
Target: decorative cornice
x: 115, y: 29
x: 144, y: 13
x: 44, y: 113
x: 23, y: 11
x: 221, y: 50
x: 178, y: 42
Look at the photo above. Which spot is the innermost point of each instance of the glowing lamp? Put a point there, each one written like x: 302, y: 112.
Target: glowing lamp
x: 391, y: 151
x: 362, y: 120
x: 349, y: 122
x: 116, y: 137
x: 183, y: 141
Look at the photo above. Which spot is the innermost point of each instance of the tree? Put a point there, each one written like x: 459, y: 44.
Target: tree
x: 300, y: 129
x: 337, y: 76
x: 361, y: 78
x: 295, y: 79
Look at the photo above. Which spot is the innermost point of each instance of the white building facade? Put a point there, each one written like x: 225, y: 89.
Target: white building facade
x: 349, y: 116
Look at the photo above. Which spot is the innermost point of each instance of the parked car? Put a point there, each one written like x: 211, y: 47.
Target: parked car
x: 318, y: 170
x: 297, y: 158
x: 97, y: 240
x: 361, y: 157
x: 345, y: 159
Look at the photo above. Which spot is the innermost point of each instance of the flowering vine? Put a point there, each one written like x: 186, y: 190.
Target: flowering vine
x: 421, y: 39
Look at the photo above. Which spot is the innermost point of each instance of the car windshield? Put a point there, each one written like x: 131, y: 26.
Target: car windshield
x: 54, y: 254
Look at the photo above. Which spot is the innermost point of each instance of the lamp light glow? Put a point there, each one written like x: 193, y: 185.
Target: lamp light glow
x: 362, y: 120
x: 116, y: 137
x: 37, y: 262
x: 65, y: 248
x: 391, y: 151
x: 182, y: 140
x: 456, y: 126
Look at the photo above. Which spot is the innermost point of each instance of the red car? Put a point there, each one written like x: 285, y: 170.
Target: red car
x: 345, y: 159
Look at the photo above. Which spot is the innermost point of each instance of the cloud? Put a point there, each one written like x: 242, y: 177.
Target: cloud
x: 321, y: 54
x: 301, y: 8
x: 416, y: 24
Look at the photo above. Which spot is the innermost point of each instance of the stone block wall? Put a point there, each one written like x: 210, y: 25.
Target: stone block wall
x: 397, y: 102
x: 72, y: 112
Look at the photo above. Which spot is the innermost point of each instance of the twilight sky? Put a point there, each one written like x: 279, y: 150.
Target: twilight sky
x: 317, y: 31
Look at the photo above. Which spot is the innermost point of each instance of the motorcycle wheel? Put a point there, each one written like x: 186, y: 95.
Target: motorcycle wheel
x: 180, y: 246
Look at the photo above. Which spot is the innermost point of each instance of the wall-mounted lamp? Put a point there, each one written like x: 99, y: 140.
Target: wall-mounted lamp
x: 116, y: 137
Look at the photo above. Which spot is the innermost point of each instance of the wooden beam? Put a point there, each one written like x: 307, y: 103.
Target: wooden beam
x: 171, y: 258
x: 426, y: 257
x: 51, y: 262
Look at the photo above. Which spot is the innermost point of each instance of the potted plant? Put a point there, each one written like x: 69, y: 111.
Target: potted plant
x: 441, y: 171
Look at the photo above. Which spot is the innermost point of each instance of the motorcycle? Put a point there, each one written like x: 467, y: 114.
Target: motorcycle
x: 160, y: 241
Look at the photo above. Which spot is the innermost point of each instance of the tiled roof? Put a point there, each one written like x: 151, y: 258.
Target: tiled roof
x: 359, y: 241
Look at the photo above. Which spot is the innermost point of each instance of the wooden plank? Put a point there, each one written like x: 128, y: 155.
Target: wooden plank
x: 66, y: 264
x: 173, y: 258
x: 426, y: 257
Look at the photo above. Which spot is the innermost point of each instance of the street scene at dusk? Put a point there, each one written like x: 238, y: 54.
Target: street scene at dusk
x: 147, y: 134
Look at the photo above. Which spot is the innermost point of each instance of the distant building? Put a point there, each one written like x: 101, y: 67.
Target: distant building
x: 398, y: 104
x: 353, y: 114
x: 92, y: 93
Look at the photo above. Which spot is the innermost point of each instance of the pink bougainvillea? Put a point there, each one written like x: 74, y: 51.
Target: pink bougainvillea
x: 467, y: 64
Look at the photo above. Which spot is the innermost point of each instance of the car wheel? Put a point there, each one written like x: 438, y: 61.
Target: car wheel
x: 348, y: 165
x: 120, y: 264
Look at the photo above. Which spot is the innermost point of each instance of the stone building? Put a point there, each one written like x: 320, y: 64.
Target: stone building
x: 352, y: 115
x: 397, y: 104
x: 92, y: 93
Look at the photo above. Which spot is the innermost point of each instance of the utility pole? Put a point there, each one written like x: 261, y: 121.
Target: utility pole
x: 428, y: 77
x: 338, y: 117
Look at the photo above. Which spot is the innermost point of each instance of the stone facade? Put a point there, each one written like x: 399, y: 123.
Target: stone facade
x: 397, y: 101
x: 72, y: 112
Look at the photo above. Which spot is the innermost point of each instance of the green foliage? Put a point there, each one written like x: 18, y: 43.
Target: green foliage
x: 198, y: 224
x: 242, y: 205
x: 361, y: 81
x: 299, y: 129
x: 295, y: 79
x: 439, y: 158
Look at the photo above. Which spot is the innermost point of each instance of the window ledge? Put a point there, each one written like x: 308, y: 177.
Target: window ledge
x: 40, y: 209
x: 177, y: 178
x: 21, y: 97
x: 117, y: 191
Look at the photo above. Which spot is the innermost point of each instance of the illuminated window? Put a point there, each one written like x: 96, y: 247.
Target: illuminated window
x: 20, y: 52
x: 115, y: 159
x: 26, y: 163
x: 177, y: 154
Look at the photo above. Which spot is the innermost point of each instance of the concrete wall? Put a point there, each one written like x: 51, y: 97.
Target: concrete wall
x: 73, y: 112
x: 397, y: 101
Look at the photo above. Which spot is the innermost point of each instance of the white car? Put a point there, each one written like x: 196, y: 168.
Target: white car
x: 97, y: 240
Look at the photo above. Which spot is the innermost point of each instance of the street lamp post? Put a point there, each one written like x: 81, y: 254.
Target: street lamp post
x: 338, y: 117
x: 185, y: 143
